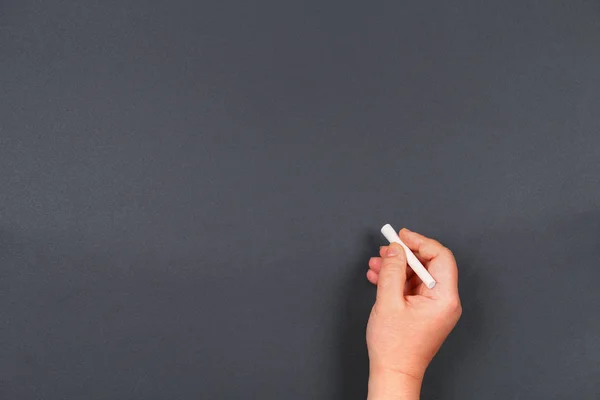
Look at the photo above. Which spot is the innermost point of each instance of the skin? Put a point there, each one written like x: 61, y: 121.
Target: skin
x: 409, y: 322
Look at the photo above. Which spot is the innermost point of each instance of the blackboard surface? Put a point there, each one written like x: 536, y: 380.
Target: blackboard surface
x: 190, y: 192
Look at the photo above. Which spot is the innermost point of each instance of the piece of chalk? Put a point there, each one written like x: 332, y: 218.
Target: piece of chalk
x: 391, y: 235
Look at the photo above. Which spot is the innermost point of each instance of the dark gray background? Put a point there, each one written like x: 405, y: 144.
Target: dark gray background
x: 190, y: 192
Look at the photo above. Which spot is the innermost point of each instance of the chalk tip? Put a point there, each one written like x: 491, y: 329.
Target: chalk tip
x: 431, y: 285
x: 387, y: 227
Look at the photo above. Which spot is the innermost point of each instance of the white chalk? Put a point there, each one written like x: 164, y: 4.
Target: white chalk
x: 391, y: 235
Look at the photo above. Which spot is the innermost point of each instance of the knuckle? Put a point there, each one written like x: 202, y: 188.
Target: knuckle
x: 452, y: 306
x: 392, y: 265
x: 434, y: 244
x: 447, y: 252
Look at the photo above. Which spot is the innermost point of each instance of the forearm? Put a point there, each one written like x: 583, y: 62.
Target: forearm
x: 393, y: 386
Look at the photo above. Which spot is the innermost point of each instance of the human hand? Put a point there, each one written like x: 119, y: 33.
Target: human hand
x: 409, y: 322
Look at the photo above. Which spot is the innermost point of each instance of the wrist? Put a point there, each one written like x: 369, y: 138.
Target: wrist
x: 393, y: 385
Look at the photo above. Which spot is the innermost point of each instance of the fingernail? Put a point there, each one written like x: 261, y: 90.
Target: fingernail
x: 393, y: 251
x: 408, y: 230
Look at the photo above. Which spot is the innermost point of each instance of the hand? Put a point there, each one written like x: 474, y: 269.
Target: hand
x: 409, y: 322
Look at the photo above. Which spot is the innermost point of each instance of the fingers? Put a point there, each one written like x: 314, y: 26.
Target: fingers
x: 383, y: 251
x: 427, y: 248
x: 375, y: 264
x: 412, y: 280
x: 439, y: 259
x: 372, y: 277
x: 392, y: 276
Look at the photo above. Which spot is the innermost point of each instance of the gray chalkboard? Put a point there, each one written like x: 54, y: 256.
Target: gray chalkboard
x: 190, y: 192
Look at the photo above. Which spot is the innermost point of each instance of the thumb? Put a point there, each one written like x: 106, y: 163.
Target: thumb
x: 392, y: 276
